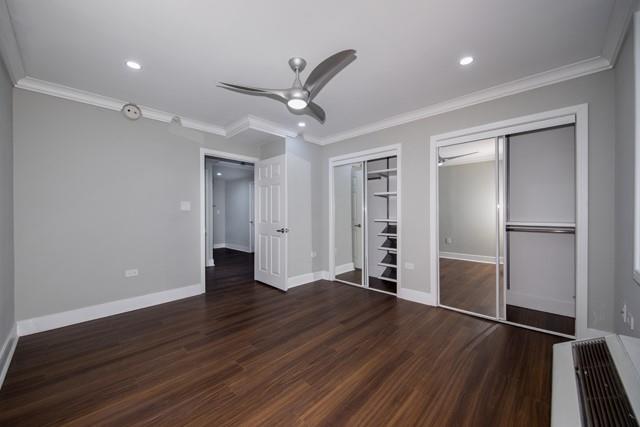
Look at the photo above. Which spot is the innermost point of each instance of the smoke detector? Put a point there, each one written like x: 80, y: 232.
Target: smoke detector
x: 131, y: 111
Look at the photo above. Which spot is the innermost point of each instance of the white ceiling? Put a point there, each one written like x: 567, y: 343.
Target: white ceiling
x: 408, y: 50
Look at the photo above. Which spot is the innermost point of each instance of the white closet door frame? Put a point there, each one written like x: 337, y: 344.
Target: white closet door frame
x: 578, y: 115
x: 364, y: 156
x: 203, y: 226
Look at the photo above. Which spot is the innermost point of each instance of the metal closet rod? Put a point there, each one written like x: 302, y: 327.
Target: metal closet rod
x: 541, y: 229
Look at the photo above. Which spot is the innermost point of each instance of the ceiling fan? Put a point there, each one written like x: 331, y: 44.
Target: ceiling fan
x: 299, y: 98
x: 443, y: 160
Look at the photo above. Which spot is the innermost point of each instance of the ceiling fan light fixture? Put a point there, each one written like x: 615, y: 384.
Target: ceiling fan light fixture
x: 466, y: 60
x: 297, y: 104
x: 133, y: 65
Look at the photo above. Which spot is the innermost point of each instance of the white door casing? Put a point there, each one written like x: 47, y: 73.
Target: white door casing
x: 251, y: 218
x: 271, y: 222
x: 356, y: 215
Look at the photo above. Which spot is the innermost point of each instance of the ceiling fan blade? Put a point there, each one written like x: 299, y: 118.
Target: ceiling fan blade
x: 277, y: 94
x: 327, y: 69
x: 312, y: 110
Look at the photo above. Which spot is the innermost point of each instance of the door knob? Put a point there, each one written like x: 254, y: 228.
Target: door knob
x: 357, y: 225
x: 283, y: 230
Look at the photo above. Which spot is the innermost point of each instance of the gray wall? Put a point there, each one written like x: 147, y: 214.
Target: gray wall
x: 542, y: 169
x: 7, y: 312
x: 306, y: 187
x: 597, y: 90
x: 237, y: 205
x: 626, y: 289
x: 467, y: 196
x: 96, y: 194
x: 219, y: 211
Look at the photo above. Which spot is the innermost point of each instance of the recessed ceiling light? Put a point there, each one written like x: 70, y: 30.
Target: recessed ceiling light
x: 219, y: 173
x: 134, y: 65
x: 466, y: 60
x: 301, y: 124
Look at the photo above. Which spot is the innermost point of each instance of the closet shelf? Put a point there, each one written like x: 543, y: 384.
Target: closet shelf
x: 389, y: 235
x: 392, y: 250
x: 389, y: 274
x: 386, y: 220
x: 383, y: 172
x: 384, y: 264
x: 390, y: 229
x: 386, y: 194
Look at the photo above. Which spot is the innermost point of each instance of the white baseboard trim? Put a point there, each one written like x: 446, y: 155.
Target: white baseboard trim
x: 71, y: 317
x: 344, y: 268
x: 240, y: 248
x: 303, y: 279
x: 426, y: 298
x: 470, y: 257
x: 233, y: 246
x: 535, y: 302
x: 6, y: 354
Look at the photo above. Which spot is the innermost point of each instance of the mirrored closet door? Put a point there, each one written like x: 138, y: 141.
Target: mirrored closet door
x: 467, y: 188
x: 348, y: 193
x: 507, y: 228
x: 365, y: 222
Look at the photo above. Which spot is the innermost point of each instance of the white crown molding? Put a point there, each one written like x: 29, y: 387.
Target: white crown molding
x: 9, y: 49
x: 546, y: 78
x: 246, y: 123
x: 619, y: 21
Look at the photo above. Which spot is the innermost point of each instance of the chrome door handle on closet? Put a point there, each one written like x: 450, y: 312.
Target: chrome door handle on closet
x: 357, y: 225
x: 282, y: 230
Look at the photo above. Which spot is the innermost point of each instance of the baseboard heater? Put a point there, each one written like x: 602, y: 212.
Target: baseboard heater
x: 596, y: 382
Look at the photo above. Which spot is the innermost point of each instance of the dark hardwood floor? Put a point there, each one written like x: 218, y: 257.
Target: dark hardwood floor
x: 354, y: 276
x: 247, y: 354
x: 471, y: 286
x: 468, y: 285
x: 382, y: 285
x: 540, y: 319
x: 231, y: 268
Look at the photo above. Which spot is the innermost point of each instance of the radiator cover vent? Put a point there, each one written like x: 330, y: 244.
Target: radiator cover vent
x: 603, y: 400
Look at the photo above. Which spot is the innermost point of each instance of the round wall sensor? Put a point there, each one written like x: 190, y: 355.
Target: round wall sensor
x: 131, y: 111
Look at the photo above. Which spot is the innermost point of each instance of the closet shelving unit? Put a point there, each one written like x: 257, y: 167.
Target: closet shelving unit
x: 383, y: 239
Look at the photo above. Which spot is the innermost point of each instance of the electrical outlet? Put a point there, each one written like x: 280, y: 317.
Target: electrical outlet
x: 185, y: 206
x: 448, y: 240
x: 409, y: 265
x: 131, y: 273
x: 314, y: 254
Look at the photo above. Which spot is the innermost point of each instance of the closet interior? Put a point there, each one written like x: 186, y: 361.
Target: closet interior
x: 507, y: 228
x: 366, y: 223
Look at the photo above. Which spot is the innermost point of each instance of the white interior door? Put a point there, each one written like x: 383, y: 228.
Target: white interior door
x: 271, y: 222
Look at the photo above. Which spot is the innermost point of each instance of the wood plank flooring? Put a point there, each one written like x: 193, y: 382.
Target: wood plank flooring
x: 247, y: 354
x: 469, y: 286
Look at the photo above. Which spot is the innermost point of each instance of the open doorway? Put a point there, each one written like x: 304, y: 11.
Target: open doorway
x: 229, y: 225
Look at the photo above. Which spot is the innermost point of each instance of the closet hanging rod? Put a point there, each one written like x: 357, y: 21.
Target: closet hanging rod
x: 556, y: 230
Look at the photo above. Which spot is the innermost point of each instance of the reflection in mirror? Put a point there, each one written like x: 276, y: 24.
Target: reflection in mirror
x: 348, y: 211
x: 467, y: 226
